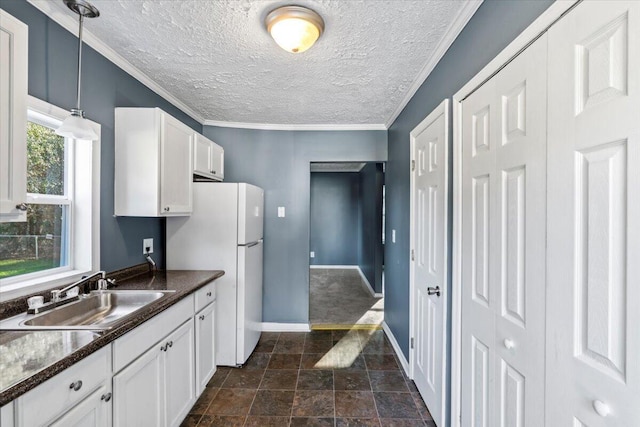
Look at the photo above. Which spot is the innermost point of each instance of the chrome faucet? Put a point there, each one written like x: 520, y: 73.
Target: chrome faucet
x: 102, y: 285
x: 61, y: 296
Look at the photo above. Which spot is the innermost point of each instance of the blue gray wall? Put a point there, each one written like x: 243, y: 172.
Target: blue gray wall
x: 52, y: 78
x: 278, y: 161
x: 335, y: 227
x: 492, y: 28
x: 370, y: 251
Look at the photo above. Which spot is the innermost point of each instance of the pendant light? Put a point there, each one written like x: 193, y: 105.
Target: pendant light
x: 294, y: 28
x: 76, y: 126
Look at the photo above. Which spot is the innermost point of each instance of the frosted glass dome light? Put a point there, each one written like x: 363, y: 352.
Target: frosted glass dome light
x: 294, y: 28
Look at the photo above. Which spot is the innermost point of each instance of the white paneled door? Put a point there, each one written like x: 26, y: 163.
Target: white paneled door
x: 593, y: 354
x: 503, y: 245
x: 429, y: 142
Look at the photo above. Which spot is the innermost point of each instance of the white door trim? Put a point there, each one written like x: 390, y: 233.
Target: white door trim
x: 442, y: 109
x: 531, y: 33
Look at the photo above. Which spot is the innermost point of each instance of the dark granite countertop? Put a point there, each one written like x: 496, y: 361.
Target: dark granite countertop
x: 28, y: 358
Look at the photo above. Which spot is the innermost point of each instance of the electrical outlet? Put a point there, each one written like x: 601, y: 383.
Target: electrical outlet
x: 312, y: 254
x: 147, y: 246
x: 393, y: 236
x: 281, y: 212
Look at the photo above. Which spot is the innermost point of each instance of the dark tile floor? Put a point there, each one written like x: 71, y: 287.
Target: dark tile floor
x: 321, y: 378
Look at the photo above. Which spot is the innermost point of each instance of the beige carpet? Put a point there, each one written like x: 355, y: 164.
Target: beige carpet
x: 339, y: 300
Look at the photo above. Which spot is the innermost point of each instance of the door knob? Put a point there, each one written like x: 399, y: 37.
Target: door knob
x: 601, y: 408
x: 21, y: 206
x: 433, y: 291
x: 509, y: 344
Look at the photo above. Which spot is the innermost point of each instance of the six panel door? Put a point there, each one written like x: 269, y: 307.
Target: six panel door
x: 593, y: 354
x: 503, y: 245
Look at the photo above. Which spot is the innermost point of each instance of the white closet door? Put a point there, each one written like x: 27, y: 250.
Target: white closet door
x: 593, y: 367
x: 503, y: 245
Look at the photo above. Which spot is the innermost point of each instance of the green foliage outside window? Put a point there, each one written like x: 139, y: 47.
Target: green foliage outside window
x: 45, y: 175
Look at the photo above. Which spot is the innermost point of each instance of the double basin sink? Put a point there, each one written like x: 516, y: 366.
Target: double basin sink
x: 99, y: 310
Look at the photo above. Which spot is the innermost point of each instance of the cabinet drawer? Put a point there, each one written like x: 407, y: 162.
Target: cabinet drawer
x: 205, y: 295
x: 131, y: 345
x: 58, y: 394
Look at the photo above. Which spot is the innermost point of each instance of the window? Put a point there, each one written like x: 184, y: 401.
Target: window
x: 59, y: 237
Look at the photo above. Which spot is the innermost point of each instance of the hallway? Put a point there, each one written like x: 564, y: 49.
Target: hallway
x: 320, y: 378
x: 339, y: 299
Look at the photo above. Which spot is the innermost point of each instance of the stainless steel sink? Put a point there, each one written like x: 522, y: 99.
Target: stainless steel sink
x: 98, y: 310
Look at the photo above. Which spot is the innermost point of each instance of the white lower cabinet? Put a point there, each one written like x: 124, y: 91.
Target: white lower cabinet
x: 205, y: 346
x: 158, y: 388
x: 78, y: 396
x: 158, y: 376
x: 179, y: 374
x: 138, y: 394
x: 94, y: 411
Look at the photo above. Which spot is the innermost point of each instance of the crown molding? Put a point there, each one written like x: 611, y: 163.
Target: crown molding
x: 68, y: 22
x: 462, y: 18
x: 295, y: 127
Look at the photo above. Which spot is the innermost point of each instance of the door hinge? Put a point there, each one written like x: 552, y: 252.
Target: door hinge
x: 411, y: 342
x: 413, y: 165
x: 413, y: 255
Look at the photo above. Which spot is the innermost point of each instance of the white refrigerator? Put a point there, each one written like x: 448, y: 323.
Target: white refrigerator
x: 224, y: 232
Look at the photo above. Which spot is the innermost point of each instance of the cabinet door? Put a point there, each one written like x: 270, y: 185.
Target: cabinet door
x: 202, y: 155
x: 217, y: 162
x: 176, y: 167
x: 13, y: 118
x: 179, y: 374
x: 138, y: 395
x: 205, y: 346
x: 94, y: 411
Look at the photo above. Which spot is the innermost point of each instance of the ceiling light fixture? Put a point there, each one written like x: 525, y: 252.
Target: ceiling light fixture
x: 76, y: 126
x: 294, y: 28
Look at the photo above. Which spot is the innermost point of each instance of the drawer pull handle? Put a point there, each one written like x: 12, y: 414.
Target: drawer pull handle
x: 106, y: 397
x: 77, y: 385
x: 209, y: 294
x: 202, y: 317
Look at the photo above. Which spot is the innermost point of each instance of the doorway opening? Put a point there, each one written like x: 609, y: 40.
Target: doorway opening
x: 346, y: 260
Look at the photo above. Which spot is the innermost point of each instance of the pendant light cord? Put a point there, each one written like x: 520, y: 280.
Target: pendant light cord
x: 79, y: 61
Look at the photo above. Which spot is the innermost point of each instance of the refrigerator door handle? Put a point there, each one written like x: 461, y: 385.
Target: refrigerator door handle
x: 250, y: 245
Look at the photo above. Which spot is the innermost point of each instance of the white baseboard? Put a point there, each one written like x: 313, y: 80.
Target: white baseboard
x: 285, y: 327
x: 368, y: 286
x: 396, y: 347
x: 335, y: 267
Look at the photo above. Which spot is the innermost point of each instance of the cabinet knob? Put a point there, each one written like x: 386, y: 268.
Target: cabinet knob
x: 209, y: 294
x: 23, y: 206
x: 170, y: 343
x: 509, y: 344
x: 166, y: 209
x: 106, y: 397
x: 163, y: 348
x: 213, y: 172
x: 202, y: 317
x: 601, y: 408
x: 76, y: 385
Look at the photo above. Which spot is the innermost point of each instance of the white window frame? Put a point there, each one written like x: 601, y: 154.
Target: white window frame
x: 83, y: 197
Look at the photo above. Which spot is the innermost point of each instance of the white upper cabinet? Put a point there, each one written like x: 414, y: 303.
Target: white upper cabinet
x: 13, y: 118
x: 208, y: 158
x: 153, y: 163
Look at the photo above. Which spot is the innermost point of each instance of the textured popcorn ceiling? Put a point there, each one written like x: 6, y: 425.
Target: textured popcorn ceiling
x: 217, y: 58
